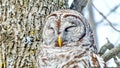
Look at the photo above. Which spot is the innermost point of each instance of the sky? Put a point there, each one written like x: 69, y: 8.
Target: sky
x: 104, y: 30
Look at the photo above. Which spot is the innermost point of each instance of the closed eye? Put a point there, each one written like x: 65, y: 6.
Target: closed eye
x: 70, y: 27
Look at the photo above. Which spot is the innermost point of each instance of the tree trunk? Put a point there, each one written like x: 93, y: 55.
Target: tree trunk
x: 21, y: 23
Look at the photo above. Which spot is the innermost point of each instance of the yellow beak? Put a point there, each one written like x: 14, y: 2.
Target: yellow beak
x: 59, y: 41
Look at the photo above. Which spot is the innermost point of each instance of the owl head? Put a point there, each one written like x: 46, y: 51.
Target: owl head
x: 68, y: 28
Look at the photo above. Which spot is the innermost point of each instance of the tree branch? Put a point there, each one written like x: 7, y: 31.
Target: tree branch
x: 106, y: 19
x: 112, y: 53
x: 78, y: 5
x: 110, y: 12
x: 106, y: 46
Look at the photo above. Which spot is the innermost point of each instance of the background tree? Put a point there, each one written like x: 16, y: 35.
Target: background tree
x: 21, y: 23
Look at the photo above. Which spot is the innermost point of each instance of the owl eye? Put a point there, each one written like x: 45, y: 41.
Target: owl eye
x: 70, y: 27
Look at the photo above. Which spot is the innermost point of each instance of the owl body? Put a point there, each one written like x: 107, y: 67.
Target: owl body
x: 67, y: 57
x: 68, y: 42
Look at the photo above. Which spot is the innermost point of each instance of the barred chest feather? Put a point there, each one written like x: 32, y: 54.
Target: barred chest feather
x: 68, y: 57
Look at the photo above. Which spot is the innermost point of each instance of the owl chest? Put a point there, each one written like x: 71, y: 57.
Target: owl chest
x: 63, y: 59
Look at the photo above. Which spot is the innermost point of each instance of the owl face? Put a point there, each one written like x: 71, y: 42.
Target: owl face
x: 65, y: 27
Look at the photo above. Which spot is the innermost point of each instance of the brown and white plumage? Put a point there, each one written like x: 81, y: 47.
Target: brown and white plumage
x: 65, y: 57
x: 68, y: 42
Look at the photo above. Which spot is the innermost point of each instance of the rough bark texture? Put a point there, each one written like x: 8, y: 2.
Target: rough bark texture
x: 21, y: 23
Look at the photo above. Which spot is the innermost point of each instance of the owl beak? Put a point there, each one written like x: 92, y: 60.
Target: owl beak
x: 59, y: 41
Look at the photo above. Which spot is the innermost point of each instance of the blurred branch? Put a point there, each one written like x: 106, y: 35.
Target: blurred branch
x: 108, y: 45
x: 106, y: 19
x: 92, y: 21
x: 116, y: 59
x: 78, y: 5
x: 112, y: 53
x: 112, y: 10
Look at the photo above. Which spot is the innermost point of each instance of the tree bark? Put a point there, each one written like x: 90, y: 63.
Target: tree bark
x: 111, y: 54
x: 21, y: 23
x: 78, y: 5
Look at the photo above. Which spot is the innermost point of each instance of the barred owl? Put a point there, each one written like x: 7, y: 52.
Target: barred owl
x: 68, y: 42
